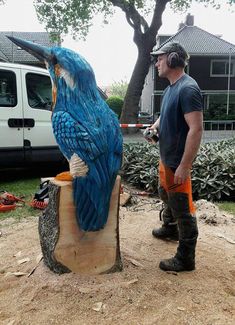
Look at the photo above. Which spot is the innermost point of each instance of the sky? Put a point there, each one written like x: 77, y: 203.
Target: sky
x: 110, y: 48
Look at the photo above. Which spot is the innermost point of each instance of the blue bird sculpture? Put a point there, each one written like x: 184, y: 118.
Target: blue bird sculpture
x: 86, y: 130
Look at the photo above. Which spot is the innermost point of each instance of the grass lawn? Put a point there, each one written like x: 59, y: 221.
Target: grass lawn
x: 227, y: 206
x: 24, y: 188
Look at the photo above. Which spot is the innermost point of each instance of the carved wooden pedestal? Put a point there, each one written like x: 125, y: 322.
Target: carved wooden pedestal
x: 66, y: 248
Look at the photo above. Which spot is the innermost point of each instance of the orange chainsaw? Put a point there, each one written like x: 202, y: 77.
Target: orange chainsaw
x: 7, y: 201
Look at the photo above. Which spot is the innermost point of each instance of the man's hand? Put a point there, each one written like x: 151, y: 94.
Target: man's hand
x: 181, y: 174
x: 150, y: 140
x: 151, y: 135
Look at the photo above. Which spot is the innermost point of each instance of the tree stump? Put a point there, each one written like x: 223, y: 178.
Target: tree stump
x: 65, y: 247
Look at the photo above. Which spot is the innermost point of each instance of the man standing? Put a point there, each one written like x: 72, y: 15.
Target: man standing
x: 179, y: 129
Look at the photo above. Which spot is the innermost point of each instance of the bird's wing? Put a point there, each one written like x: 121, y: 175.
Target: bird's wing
x: 92, y: 192
x: 73, y: 137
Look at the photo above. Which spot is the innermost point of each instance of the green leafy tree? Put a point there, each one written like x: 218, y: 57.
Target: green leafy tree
x: 119, y: 89
x: 75, y: 17
x: 115, y: 103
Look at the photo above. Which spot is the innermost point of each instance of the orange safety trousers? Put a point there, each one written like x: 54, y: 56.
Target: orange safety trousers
x: 166, y: 180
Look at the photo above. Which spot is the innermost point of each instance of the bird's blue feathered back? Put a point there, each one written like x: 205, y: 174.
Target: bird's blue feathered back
x: 84, y: 124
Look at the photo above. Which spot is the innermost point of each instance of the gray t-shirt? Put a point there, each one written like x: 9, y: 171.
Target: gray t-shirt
x: 182, y: 97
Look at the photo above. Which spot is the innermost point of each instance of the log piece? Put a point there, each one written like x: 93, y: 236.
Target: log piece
x: 65, y: 247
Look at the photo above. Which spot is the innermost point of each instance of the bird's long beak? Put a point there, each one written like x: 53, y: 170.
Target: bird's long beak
x: 40, y: 52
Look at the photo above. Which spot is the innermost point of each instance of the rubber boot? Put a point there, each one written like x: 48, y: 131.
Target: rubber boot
x: 184, y: 259
x: 169, y: 229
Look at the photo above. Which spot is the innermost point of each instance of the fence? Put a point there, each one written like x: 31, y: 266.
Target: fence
x: 213, y: 131
x: 218, y: 130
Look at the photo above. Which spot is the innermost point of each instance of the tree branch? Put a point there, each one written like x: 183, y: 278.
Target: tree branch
x: 157, y: 15
x: 133, y: 17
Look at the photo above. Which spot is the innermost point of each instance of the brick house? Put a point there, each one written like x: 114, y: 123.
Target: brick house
x: 211, y: 64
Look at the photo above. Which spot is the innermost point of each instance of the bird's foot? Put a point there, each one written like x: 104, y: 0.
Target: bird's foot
x: 65, y: 176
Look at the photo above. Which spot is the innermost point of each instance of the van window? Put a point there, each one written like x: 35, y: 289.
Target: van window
x: 8, y: 96
x: 39, y: 91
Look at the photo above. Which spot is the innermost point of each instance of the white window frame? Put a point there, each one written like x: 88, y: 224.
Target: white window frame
x: 153, y: 71
x: 226, y: 61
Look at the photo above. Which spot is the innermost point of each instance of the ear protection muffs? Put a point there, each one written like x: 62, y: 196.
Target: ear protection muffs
x: 174, y: 60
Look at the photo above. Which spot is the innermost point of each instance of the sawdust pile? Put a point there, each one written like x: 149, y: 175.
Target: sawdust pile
x: 139, y: 295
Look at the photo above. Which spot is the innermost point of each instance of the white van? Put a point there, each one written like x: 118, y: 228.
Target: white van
x: 26, y: 135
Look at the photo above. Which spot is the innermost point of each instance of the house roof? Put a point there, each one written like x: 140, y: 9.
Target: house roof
x: 3, y: 56
x: 197, y: 41
x: 12, y: 53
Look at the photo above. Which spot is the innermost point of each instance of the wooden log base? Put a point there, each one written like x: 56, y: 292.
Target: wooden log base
x: 124, y: 199
x: 66, y: 248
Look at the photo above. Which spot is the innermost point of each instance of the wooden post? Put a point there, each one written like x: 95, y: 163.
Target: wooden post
x: 66, y: 248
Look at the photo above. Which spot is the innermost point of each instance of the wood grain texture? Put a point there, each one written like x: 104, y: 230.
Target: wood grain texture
x: 85, y: 252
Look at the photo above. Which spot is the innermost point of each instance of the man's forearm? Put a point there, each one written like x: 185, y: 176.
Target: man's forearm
x: 191, y: 147
x: 156, y: 124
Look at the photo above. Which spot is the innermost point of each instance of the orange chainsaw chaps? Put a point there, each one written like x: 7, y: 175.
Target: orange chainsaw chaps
x: 166, y: 176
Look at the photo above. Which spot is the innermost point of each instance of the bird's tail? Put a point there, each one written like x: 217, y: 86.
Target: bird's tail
x: 92, y: 205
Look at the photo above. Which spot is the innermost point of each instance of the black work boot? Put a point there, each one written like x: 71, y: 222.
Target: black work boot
x: 169, y: 229
x: 184, y: 260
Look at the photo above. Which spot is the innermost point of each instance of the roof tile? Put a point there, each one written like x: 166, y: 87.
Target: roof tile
x: 197, y: 41
x: 14, y: 54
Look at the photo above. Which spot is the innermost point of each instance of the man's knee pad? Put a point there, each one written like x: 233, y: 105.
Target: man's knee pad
x: 179, y: 204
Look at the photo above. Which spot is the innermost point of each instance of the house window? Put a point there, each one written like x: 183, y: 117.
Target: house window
x: 220, y: 68
x: 39, y: 91
x: 157, y: 103
x: 216, y: 108
x: 8, y: 96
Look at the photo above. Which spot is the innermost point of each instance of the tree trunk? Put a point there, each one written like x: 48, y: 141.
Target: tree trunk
x: 66, y: 248
x: 132, y: 99
x: 145, y: 41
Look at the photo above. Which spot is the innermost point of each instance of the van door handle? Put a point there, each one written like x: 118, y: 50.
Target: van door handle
x: 20, y: 122
x: 15, y: 122
x: 29, y: 122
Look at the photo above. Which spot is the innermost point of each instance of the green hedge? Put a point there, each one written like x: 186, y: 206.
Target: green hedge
x: 115, y: 103
x: 213, y: 175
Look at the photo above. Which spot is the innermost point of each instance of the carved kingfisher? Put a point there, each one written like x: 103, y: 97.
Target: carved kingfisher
x: 86, y: 130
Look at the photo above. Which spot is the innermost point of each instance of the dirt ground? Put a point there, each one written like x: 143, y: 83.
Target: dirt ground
x: 141, y: 294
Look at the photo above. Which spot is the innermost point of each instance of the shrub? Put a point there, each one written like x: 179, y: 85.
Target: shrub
x: 115, y: 103
x: 119, y: 88
x: 213, y: 175
x: 140, y: 165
